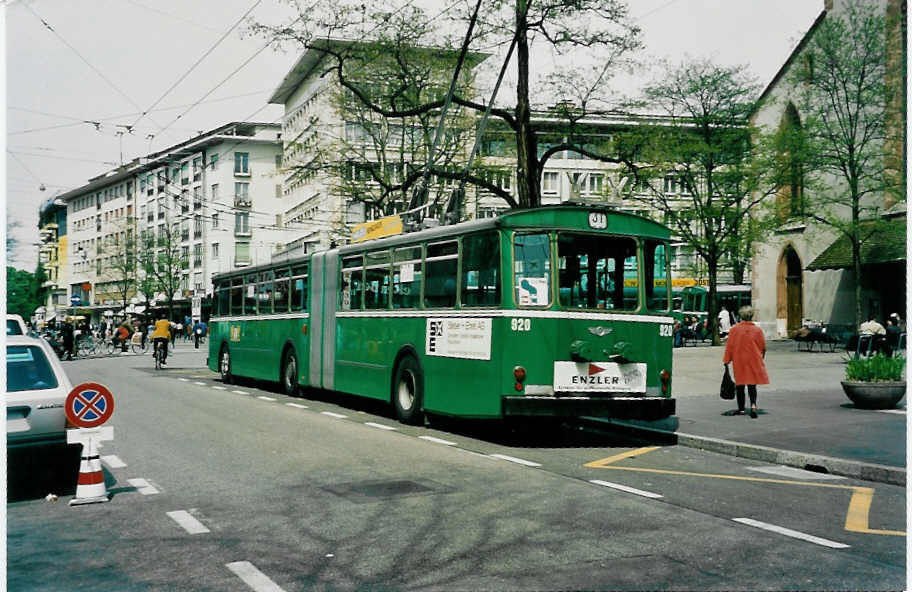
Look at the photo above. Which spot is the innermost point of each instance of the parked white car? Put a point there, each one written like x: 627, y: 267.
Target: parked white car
x: 15, y: 325
x: 36, y: 388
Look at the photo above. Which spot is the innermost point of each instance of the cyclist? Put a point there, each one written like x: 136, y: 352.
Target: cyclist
x: 161, y: 335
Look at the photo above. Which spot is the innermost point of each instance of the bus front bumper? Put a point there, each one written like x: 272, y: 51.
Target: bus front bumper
x: 646, y: 408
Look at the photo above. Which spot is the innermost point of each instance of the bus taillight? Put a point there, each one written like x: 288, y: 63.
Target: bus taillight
x: 519, y: 373
x: 665, y: 377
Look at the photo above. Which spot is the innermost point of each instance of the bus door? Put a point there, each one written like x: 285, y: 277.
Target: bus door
x: 323, y: 284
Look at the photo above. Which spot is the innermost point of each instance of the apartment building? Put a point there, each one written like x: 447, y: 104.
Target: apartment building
x: 52, y: 254
x: 217, y: 194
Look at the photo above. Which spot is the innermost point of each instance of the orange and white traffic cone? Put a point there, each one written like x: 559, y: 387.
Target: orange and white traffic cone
x: 90, y: 487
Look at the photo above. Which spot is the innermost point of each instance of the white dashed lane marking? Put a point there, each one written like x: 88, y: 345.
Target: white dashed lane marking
x: 297, y: 405
x: 113, y: 462
x: 792, y: 533
x: 184, y: 379
x: 257, y: 580
x: 380, y: 426
x: 265, y: 398
x: 219, y: 388
x: 619, y: 487
x: 336, y: 415
x: 437, y: 440
x: 142, y: 486
x: 199, y: 383
x: 240, y: 392
x: 519, y: 461
x: 188, y: 522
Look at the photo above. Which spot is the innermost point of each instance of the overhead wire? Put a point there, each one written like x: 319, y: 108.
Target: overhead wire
x: 197, y: 62
x: 81, y: 57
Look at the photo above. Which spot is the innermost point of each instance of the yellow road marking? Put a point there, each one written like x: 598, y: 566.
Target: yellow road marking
x: 859, y: 504
x: 611, y: 459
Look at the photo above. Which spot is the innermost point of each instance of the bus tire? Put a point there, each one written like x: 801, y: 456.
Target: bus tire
x: 289, y: 376
x: 408, y: 391
x: 225, y: 364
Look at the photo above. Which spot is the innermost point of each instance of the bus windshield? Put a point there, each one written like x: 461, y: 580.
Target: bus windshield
x: 593, y: 270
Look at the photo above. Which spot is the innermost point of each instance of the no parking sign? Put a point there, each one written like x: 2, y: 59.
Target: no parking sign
x: 89, y: 405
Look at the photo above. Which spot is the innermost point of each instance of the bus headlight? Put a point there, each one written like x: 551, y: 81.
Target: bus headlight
x: 665, y: 377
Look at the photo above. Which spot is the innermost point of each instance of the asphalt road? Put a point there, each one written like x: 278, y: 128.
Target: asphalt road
x: 227, y: 487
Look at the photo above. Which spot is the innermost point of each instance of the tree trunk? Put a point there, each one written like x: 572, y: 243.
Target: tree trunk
x: 712, y: 307
x: 527, y: 182
x: 856, y: 267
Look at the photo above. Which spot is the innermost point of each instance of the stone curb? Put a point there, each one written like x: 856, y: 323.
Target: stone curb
x: 800, y: 460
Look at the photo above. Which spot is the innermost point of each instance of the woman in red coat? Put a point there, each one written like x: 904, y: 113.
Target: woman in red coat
x: 746, y: 348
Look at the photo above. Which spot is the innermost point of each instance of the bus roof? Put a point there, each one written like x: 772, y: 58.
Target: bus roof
x: 557, y: 216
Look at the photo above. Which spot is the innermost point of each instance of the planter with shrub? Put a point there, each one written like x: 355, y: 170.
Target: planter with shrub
x: 875, y: 382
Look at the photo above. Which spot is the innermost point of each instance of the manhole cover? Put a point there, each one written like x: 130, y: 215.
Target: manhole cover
x: 369, y: 491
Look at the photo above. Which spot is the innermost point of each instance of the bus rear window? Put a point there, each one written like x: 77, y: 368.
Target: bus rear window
x: 593, y: 270
x: 532, y: 269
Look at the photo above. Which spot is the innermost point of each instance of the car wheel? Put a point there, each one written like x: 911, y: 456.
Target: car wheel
x: 225, y: 365
x: 408, y: 391
x: 290, y: 373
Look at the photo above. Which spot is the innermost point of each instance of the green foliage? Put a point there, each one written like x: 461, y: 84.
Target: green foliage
x: 23, y: 291
x: 877, y: 368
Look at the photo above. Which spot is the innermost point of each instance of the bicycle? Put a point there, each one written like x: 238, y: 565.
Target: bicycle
x: 138, y: 345
x: 86, y: 346
x: 157, y: 354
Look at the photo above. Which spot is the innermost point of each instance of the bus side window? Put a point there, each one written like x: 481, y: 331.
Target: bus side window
x: 280, y: 295
x: 440, y: 279
x: 237, y: 296
x: 407, y: 277
x: 377, y: 280
x: 481, y: 269
x: 532, y: 269
x: 264, y: 293
x: 656, y: 267
x: 299, y: 288
x: 352, y: 284
x: 224, y: 298
x: 250, y: 295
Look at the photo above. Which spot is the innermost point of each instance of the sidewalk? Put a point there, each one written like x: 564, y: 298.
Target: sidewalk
x: 805, y: 420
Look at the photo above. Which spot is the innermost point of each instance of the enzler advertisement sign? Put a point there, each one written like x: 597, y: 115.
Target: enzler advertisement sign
x: 468, y: 338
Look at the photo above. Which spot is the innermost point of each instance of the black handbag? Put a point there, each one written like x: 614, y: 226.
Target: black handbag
x: 727, y: 390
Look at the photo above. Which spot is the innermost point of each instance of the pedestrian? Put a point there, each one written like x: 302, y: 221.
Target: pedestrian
x: 197, y: 333
x: 68, y: 340
x: 746, y: 349
x: 173, y: 329
x: 724, y: 322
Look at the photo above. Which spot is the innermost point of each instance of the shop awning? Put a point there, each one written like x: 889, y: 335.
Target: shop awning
x: 886, y: 245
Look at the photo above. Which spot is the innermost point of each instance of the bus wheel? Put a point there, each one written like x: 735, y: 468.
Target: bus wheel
x: 408, y: 391
x: 290, y: 373
x: 225, y: 365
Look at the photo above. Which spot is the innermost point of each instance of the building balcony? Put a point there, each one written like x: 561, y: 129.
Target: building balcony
x: 242, y: 201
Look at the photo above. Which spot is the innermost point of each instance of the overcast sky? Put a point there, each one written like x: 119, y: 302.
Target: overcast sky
x: 106, y: 61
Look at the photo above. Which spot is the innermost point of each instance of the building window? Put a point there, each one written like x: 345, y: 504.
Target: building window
x: 215, y: 250
x: 214, y: 193
x: 185, y: 173
x: 215, y: 220
x: 241, y: 163
x: 596, y: 182
x: 213, y: 161
x: 241, y: 194
x: 550, y: 182
x: 197, y: 256
x: 242, y: 253
x: 242, y: 223
x: 197, y: 166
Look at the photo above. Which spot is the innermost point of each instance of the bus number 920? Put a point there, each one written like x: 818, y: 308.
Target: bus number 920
x: 520, y: 324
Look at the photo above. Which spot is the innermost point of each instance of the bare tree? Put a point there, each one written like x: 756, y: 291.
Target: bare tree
x: 597, y: 29
x: 849, y: 127
x: 119, y: 249
x: 162, y: 261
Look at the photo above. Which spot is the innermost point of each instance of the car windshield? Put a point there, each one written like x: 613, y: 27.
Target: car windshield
x: 27, y: 369
x: 12, y: 327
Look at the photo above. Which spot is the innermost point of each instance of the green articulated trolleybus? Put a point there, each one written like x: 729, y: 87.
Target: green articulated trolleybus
x: 520, y: 316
